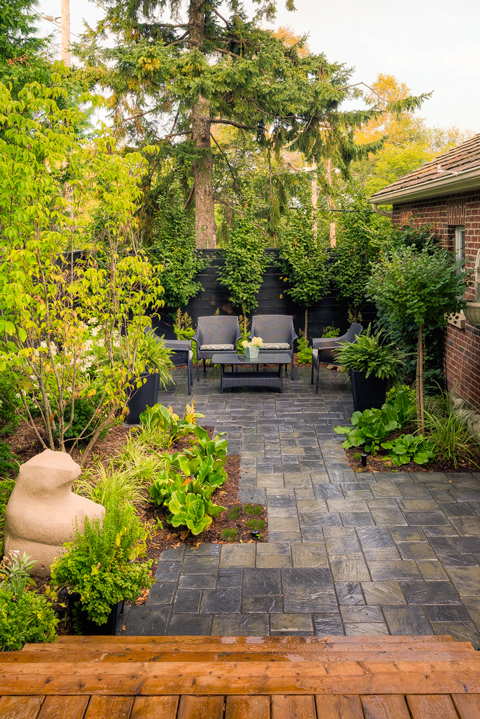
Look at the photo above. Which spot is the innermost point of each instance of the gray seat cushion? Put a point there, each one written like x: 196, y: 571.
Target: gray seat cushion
x: 215, y: 348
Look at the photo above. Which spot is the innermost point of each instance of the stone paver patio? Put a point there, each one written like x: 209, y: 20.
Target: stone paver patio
x: 348, y: 553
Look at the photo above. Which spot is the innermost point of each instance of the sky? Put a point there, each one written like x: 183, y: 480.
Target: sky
x: 430, y: 45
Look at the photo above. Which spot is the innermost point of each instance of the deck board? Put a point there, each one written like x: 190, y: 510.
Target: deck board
x: 242, y: 678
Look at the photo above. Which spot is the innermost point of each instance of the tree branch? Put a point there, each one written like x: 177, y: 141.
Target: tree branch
x: 189, y: 197
x: 227, y: 161
x: 235, y: 124
x: 221, y: 18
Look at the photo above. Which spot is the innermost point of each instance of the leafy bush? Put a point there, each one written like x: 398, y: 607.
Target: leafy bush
x: 368, y: 354
x: 331, y: 331
x: 403, y: 399
x: 25, y: 616
x: 6, y: 488
x: 99, y: 564
x: 447, y: 430
x: 189, y: 480
x: 304, y: 351
x: 10, y: 403
x: 159, y: 418
x: 408, y: 447
x: 369, y: 428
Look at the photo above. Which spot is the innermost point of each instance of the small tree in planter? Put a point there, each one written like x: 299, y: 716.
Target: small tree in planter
x: 245, y: 265
x: 423, y: 287
x: 302, y: 262
x: 174, y: 246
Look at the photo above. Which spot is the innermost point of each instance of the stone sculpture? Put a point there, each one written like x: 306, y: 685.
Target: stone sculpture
x: 42, y: 509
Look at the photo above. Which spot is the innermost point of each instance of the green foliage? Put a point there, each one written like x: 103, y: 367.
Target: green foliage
x: 189, y: 480
x: 447, y: 430
x: 6, y: 488
x: 8, y: 461
x: 99, y: 564
x: 59, y: 321
x: 28, y: 618
x: 331, y: 331
x: 10, y: 403
x: 408, y: 448
x: 253, y: 509
x: 256, y: 524
x: 369, y: 428
x: 22, y: 51
x: 422, y: 287
x: 245, y: 264
x: 302, y: 261
x: 370, y: 355
x: 403, y: 399
x: 234, y: 512
x: 25, y: 616
x: 174, y: 247
x: 168, y: 424
x: 229, y: 534
x: 418, y: 286
x: 356, y: 252
x: 304, y: 351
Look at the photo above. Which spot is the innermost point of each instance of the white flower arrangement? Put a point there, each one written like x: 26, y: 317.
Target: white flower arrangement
x: 256, y: 342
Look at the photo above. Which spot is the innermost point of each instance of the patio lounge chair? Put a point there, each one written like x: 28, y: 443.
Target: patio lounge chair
x: 219, y: 333
x: 277, y: 333
x: 323, y: 348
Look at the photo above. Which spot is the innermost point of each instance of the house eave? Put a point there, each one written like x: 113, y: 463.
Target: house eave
x: 468, y: 180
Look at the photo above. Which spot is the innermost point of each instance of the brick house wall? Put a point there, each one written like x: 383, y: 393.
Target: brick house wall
x: 462, y: 346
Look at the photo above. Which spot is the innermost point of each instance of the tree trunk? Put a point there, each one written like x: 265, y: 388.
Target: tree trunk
x: 205, y: 227
x: 420, y: 403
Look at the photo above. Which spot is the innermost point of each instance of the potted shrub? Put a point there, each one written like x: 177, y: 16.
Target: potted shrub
x: 99, y: 571
x: 157, y: 359
x: 371, y: 364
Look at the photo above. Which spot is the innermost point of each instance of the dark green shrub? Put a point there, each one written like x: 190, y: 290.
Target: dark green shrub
x: 229, y: 534
x: 253, y: 509
x: 371, y: 355
x: 99, y: 564
x: 255, y: 524
x: 234, y: 512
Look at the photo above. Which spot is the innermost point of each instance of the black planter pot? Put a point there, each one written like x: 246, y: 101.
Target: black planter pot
x: 89, y: 628
x: 368, y: 393
x: 146, y: 395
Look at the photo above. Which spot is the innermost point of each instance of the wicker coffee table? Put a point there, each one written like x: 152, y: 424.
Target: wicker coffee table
x: 256, y: 377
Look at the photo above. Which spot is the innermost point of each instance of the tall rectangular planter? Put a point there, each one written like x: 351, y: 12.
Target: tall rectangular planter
x: 368, y: 393
x: 147, y: 394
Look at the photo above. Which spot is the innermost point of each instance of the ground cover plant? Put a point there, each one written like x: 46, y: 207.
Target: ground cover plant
x: 392, y: 439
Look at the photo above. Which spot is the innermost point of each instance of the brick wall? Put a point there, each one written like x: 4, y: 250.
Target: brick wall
x: 462, y: 347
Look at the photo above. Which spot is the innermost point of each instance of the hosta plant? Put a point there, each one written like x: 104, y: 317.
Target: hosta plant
x: 369, y: 428
x: 408, y: 448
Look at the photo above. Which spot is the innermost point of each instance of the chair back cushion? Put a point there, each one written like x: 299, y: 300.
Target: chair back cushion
x: 274, y: 329
x: 217, y: 330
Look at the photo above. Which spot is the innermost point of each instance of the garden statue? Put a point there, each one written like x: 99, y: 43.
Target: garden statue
x: 42, y: 509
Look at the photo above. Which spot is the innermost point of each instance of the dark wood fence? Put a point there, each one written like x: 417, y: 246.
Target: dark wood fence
x: 271, y: 300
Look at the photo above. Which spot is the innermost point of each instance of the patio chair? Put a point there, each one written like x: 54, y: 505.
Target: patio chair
x: 323, y: 348
x: 277, y: 333
x: 219, y: 333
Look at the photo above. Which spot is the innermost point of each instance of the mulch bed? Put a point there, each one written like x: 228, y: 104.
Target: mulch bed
x: 380, y: 464
x: 25, y: 444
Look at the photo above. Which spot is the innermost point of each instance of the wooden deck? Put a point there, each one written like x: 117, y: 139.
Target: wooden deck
x: 242, y: 678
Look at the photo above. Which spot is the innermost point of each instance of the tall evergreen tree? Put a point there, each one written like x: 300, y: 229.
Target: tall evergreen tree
x: 176, y: 70
x: 22, y: 51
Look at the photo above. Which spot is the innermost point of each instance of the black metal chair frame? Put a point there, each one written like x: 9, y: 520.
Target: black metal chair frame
x: 215, y: 330
x: 182, y: 354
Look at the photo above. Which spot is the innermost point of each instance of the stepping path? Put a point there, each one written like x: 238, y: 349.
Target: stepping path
x: 347, y: 553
